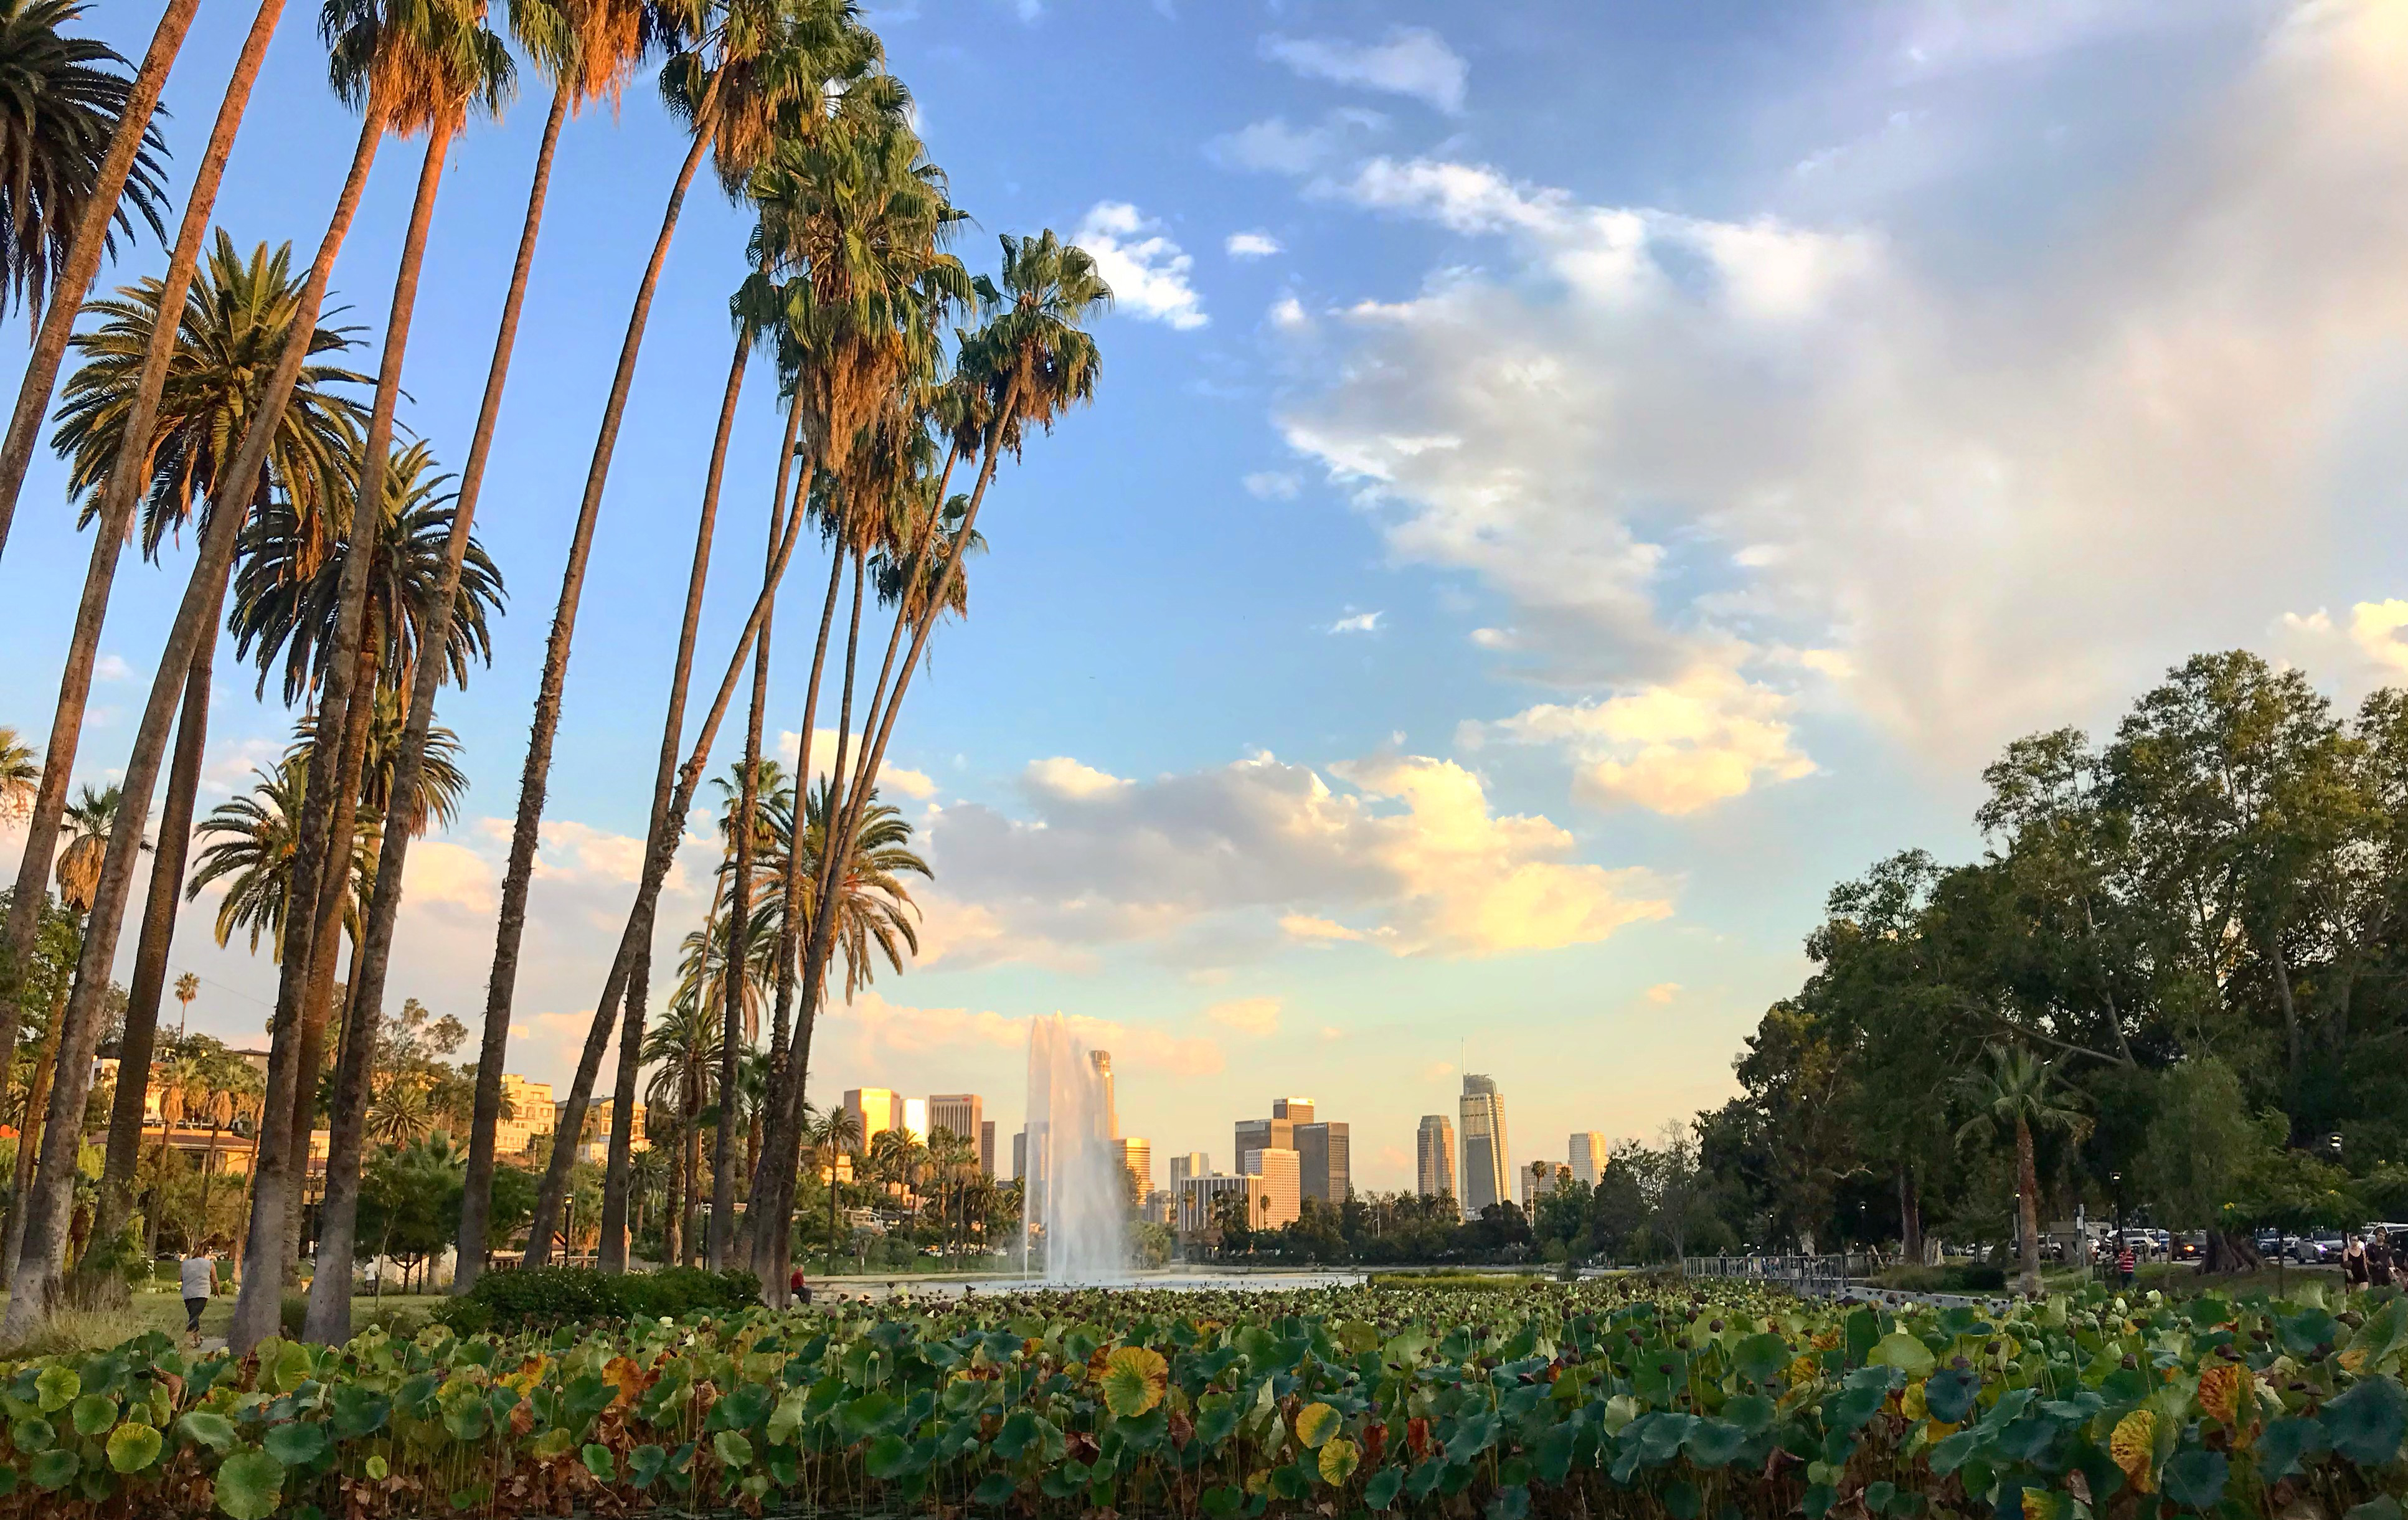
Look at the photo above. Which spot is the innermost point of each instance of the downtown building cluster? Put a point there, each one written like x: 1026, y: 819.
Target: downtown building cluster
x: 1473, y: 1164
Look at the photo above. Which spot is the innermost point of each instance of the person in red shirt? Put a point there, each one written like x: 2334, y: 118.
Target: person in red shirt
x: 799, y: 1287
x: 2124, y: 1264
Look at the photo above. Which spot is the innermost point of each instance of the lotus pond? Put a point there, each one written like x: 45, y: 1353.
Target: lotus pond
x: 1623, y: 1399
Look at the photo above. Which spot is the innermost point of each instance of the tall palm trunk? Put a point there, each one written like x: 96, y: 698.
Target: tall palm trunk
x: 83, y: 258
x: 158, y: 913
x: 330, y: 1312
x: 50, y: 1208
x: 740, y: 938
x: 612, y: 1255
x: 510, y: 931
x: 673, y: 1210
x: 120, y: 493
x: 635, y: 939
x: 693, y: 1166
x: 334, y: 902
x: 37, y: 1092
x: 2027, y: 1207
x: 316, y: 861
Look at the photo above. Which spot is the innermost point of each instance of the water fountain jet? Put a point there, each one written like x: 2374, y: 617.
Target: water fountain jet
x: 1075, y: 1199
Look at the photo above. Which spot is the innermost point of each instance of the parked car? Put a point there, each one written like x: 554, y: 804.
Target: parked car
x: 2191, y: 1246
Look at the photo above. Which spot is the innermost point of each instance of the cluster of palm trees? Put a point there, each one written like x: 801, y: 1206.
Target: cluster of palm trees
x: 345, y: 566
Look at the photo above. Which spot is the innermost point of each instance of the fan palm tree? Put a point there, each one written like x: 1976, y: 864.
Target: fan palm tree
x: 188, y: 987
x: 758, y: 68
x: 588, y: 48
x: 2016, y: 1092
x: 21, y: 774
x: 89, y: 820
x: 832, y: 1134
x: 76, y: 145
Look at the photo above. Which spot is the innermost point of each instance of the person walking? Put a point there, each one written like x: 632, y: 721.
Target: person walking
x: 2353, y: 1262
x: 2124, y: 1262
x: 199, y: 1279
x: 2380, y: 1260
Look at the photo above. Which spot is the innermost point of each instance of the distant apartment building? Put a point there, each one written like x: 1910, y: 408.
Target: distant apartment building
x: 1280, y: 1172
x: 1488, y: 1159
x: 1019, y: 1154
x: 1192, y: 1163
x: 1325, y: 1158
x: 1137, y: 1159
x: 986, y: 1146
x: 1199, y: 1204
x: 960, y: 1113
x: 531, y: 1111
x: 1587, y: 1155
x: 874, y: 1110
x: 1161, y: 1207
x: 595, y: 1144
x: 1434, y: 1157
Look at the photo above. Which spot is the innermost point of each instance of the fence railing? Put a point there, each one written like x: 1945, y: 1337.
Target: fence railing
x: 1804, y: 1274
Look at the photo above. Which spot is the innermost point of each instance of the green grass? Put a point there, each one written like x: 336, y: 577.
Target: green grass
x: 95, y: 1330
x: 2269, y: 1281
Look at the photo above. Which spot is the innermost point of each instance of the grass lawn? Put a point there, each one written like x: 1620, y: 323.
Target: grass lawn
x: 166, y: 1311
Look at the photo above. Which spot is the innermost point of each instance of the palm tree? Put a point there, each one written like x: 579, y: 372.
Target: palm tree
x: 75, y: 142
x: 682, y: 1048
x: 188, y: 987
x: 588, y: 48
x: 252, y: 853
x: 21, y: 774
x: 759, y: 69
x: 833, y: 1134
x: 401, y: 1113
x: 2014, y: 1093
x: 88, y: 821
x: 1030, y: 362
x: 875, y: 914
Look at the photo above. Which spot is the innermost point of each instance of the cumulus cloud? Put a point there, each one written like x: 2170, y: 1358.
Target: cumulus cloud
x: 1652, y: 433
x: 1410, y: 61
x: 1271, y: 485
x: 1358, y: 623
x: 892, y: 778
x: 1671, y: 747
x: 111, y: 668
x: 1663, y: 992
x: 871, y: 1031
x: 1253, y: 245
x: 1255, y: 1017
x: 1410, y: 857
x: 1146, y: 271
x: 1275, y: 147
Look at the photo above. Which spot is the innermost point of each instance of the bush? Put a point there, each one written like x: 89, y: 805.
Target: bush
x: 1972, y: 1277
x: 544, y: 1297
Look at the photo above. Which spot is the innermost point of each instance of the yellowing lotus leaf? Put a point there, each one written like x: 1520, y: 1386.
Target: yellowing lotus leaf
x: 1134, y: 1380
x: 1315, y: 1425
x: 2227, y: 1392
x: 2134, y: 1448
x: 1339, y: 1460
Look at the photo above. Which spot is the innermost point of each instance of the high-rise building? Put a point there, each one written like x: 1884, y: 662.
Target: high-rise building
x: 1539, y: 1179
x: 1019, y: 1154
x: 1263, y: 1135
x: 1488, y: 1159
x: 961, y: 1112
x: 1103, y: 1064
x: 1296, y: 1111
x: 1589, y: 1156
x: 1325, y: 1152
x: 1200, y: 1203
x: 1278, y: 1168
x: 1193, y: 1164
x: 1137, y: 1158
x: 874, y: 1110
x: 915, y: 1118
x: 986, y: 1146
x: 1434, y: 1157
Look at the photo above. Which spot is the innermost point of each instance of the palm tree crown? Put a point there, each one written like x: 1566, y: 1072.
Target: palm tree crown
x: 61, y: 100
x: 21, y: 774
x: 88, y: 821
x: 254, y: 839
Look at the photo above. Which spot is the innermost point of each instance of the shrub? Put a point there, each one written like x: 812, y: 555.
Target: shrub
x: 1972, y: 1277
x: 543, y: 1297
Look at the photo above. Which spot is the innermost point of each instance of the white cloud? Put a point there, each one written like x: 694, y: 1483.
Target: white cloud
x: 439, y: 871
x: 1253, y: 245
x: 1355, y: 622
x: 1255, y: 1017
x: 1274, y: 147
x: 871, y: 1033
x: 1409, y: 61
x: 1964, y: 478
x: 111, y: 668
x: 911, y: 783
x: 1663, y: 992
x: 1411, y: 858
x: 1271, y: 485
x: 1146, y: 271
x: 2371, y: 641
x: 1672, y: 747
x: 1288, y: 315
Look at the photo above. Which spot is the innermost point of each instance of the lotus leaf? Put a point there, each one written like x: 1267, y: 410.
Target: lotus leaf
x: 1134, y: 1379
x: 249, y: 1484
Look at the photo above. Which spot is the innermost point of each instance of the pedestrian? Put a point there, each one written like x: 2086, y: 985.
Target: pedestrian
x: 2379, y: 1260
x: 2353, y: 1262
x: 199, y: 1273
x: 798, y: 1287
x: 2124, y: 1262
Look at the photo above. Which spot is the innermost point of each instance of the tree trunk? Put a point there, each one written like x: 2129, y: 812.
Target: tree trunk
x: 511, y: 930
x: 119, y: 494
x: 1910, y: 1215
x: 659, y: 848
x: 158, y: 913
x: 2027, y: 1208
x: 614, y: 1250
x: 2231, y: 1251
x: 2292, y: 1044
x: 84, y: 254
x: 693, y: 1171
x: 673, y: 1209
x: 29, y: 1128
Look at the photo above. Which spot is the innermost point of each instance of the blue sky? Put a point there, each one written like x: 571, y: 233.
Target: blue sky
x: 1569, y: 483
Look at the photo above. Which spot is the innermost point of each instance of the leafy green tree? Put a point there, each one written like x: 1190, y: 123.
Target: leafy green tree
x: 2015, y: 1091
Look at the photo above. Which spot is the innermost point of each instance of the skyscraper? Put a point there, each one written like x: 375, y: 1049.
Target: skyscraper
x: 986, y: 1146
x: 1589, y: 1156
x: 1019, y: 1154
x: 873, y: 1109
x: 1324, y: 1152
x: 1103, y: 1062
x: 915, y: 1118
x: 961, y: 1112
x: 1296, y: 1111
x: 1263, y: 1135
x: 1434, y: 1157
x: 1276, y: 1167
x: 1137, y: 1158
x: 1193, y: 1164
x: 1487, y: 1160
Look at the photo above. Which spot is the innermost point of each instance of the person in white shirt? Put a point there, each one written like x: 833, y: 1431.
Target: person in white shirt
x: 200, y: 1280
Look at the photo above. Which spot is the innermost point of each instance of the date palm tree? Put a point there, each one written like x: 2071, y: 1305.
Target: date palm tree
x: 681, y: 1050
x: 758, y: 69
x: 252, y: 851
x: 20, y: 775
x: 589, y: 49
x: 832, y: 1134
x: 2015, y: 1091
x: 876, y: 917
x: 75, y: 147
x: 188, y: 987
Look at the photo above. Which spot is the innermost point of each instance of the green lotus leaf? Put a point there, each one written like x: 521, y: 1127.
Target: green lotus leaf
x: 377, y: 1467
x: 249, y: 1484
x: 1902, y: 1350
x: 2195, y: 1478
x: 995, y: 1490
x: 208, y: 1428
x: 1315, y: 1424
x: 94, y: 1414
x: 732, y: 1449
x: 598, y: 1462
x: 296, y: 1443
x: 54, y: 1469
x: 2366, y: 1423
x: 1381, y: 1491
x: 33, y: 1434
x: 134, y: 1447
x: 56, y: 1386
